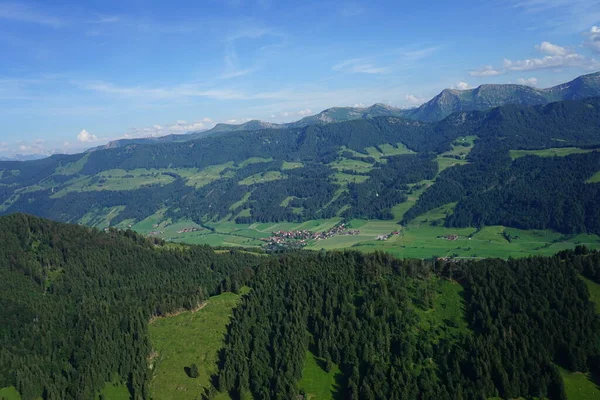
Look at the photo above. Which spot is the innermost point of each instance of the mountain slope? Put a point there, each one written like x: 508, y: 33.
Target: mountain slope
x: 487, y: 96
x: 354, y: 169
x: 331, y: 115
x: 447, y: 102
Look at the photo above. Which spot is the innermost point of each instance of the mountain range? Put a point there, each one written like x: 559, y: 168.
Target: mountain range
x: 447, y: 102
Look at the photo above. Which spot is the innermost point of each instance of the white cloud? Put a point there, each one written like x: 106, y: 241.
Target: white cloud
x: 238, y: 121
x: 35, y: 147
x: 305, y: 112
x: 23, y: 13
x: 569, y: 60
x: 593, y: 38
x: 413, y: 100
x: 179, y: 127
x: 486, y: 70
x: 528, y: 82
x: 86, y: 137
x: 461, y: 86
x: 552, y: 49
x: 360, y: 66
x: 359, y: 105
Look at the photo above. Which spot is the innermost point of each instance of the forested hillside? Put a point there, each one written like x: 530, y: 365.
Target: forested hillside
x: 75, y: 305
x: 355, y: 169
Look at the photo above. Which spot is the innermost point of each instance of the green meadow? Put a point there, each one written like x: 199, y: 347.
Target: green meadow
x: 185, y: 339
x: 316, y: 382
x: 551, y: 152
x: 9, y: 393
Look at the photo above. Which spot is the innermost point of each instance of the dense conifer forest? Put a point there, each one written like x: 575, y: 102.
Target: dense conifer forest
x: 75, y: 304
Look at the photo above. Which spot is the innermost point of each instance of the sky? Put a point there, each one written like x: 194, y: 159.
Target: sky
x: 76, y: 74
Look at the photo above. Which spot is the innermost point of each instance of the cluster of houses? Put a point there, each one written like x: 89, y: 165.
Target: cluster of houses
x: 188, y: 230
x: 299, y: 238
x: 389, y: 235
x: 155, y: 233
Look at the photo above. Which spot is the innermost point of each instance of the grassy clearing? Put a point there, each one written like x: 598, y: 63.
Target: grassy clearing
x: 316, y: 382
x: 446, y: 317
x: 9, y: 393
x: 461, y: 147
x: 551, y: 152
x: 262, y: 177
x: 595, y: 178
x: 357, y: 166
x: 241, y: 202
x: 116, y: 180
x: 101, y: 218
x: 115, y: 390
x: 579, y: 386
x: 291, y: 165
x: 207, y: 175
x: 254, y: 160
x: 594, y: 290
x: 343, y: 179
x: 445, y: 162
x: 187, y: 338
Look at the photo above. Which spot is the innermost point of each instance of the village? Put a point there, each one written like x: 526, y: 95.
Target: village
x: 296, y: 239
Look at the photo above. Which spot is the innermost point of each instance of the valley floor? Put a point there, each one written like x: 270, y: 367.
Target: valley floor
x: 425, y: 237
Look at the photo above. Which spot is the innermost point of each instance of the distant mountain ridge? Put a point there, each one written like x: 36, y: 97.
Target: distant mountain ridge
x: 441, y: 106
x: 489, y: 96
x: 24, y: 157
x: 330, y: 115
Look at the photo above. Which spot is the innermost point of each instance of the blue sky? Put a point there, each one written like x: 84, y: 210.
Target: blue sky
x: 75, y: 74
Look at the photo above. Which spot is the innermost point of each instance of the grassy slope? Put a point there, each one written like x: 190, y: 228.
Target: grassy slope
x: 595, y: 178
x: 115, y: 390
x: 9, y: 393
x: 316, y: 382
x: 578, y: 386
x: 448, y: 305
x: 551, y: 152
x: 190, y: 337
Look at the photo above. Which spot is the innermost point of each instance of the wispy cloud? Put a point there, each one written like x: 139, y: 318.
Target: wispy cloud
x: 178, y: 127
x: 564, y: 15
x: 360, y: 66
x: 233, y: 66
x: 174, y: 92
x: 416, y: 55
x: 107, y: 19
x: 351, y: 9
x: 486, y: 70
x: 21, y: 12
